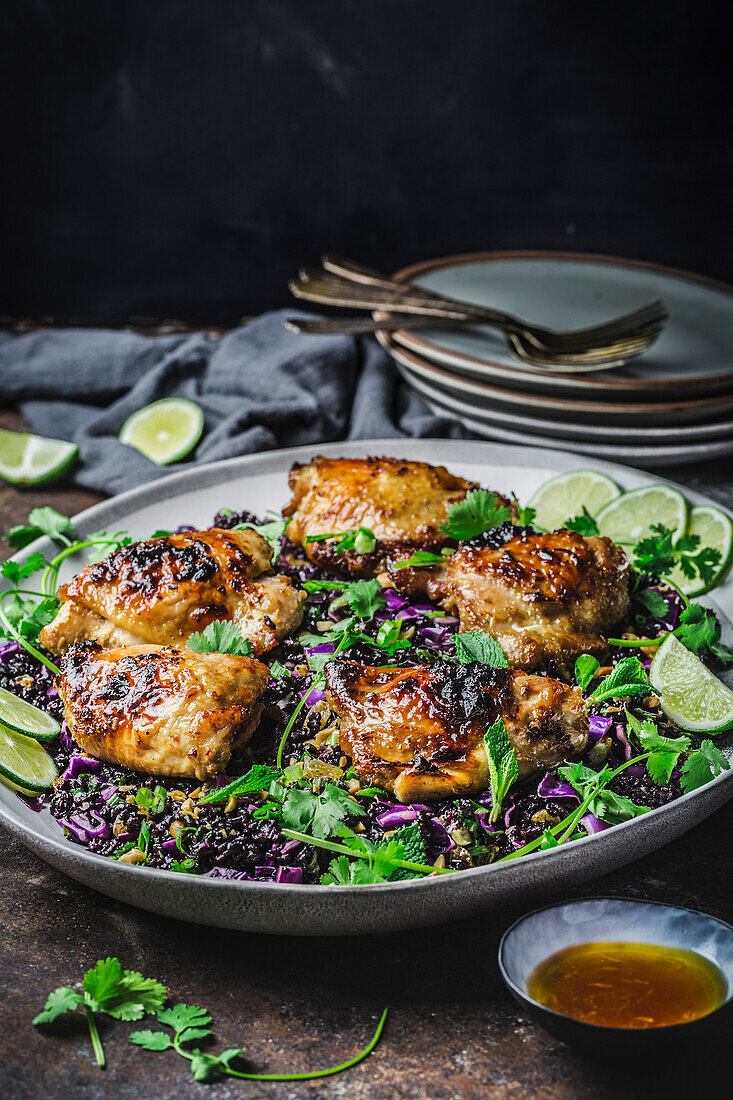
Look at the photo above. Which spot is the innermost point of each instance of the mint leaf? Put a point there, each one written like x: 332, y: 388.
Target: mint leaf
x: 221, y: 637
x: 628, y: 678
x: 474, y: 645
x: 477, y: 512
x: 503, y: 766
x: 258, y: 778
x: 586, y: 667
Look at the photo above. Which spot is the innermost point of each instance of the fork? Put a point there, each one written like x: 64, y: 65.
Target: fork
x: 345, y: 283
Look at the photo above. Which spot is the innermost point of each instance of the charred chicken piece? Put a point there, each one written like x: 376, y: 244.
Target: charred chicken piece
x: 159, y: 710
x: 163, y: 590
x: 543, y: 597
x: 403, y: 503
x: 419, y: 731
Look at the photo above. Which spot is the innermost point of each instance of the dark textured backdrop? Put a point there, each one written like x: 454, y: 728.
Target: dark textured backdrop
x: 183, y: 158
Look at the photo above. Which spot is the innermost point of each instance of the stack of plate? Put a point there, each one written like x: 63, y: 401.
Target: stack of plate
x: 672, y: 405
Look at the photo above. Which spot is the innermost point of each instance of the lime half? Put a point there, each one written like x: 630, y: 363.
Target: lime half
x: 632, y: 516
x: 715, y: 529
x: 691, y: 696
x: 24, y: 764
x: 32, y: 460
x: 564, y: 496
x: 165, y: 431
x: 25, y: 718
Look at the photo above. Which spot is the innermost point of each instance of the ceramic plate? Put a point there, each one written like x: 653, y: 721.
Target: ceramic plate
x: 588, y: 410
x: 259, y: 482
x: 693, y: 355
x: 651, y: 458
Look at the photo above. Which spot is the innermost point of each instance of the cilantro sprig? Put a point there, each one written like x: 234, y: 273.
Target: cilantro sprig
x: 127, y: 995
x: 106, y: 988
x: 221, y: 637
x: 479, y: 511
x: 658, y: 553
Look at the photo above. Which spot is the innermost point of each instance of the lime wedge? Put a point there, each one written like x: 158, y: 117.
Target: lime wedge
x: 691, y: 696
x: 25, y: 718
x: 24, y: 764
x: 632, y: 516
x: 714, y: 528
x: 31, y: 460
x: 165, y: 431
x: 564, y: 496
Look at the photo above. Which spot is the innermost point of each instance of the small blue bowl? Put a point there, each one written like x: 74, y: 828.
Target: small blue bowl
x: 536, y: 936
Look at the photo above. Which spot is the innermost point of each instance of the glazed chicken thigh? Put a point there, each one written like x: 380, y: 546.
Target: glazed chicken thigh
x: 403, y: 503
x: 160, y: 710
x: 163, y: 590
x: 419, y: 731
x: 543, y: 597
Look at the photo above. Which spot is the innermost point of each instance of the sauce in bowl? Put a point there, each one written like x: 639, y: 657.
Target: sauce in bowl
x: 628, y: 985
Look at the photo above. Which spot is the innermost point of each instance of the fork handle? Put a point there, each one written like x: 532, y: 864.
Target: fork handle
x: 356, y: 326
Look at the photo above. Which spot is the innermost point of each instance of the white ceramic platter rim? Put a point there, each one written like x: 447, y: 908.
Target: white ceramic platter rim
x: 212, y: 481
x: 532, y: 378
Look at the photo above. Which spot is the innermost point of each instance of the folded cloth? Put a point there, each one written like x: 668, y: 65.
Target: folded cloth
x: 260, y: 387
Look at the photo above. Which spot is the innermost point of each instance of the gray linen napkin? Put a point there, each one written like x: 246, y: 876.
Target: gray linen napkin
x: 260, y: 387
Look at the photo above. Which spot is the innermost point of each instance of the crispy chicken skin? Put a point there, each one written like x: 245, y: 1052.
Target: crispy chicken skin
x: 419, y: 731
x: 160, y: 710
x: 403, y: 503
x: 543, y: 597
x: 163, y: 590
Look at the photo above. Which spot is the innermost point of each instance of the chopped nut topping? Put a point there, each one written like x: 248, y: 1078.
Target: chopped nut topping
x: 133, y: 856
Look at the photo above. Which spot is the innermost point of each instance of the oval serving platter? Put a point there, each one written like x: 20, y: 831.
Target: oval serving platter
x: 258, y: 482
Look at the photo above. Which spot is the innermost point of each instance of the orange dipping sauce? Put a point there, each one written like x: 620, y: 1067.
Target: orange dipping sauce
x: 631, y: 985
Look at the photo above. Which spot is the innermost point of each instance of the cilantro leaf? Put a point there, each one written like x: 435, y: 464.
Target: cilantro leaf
x: 503, y: 766
x: 474, y: 645
x: 655, y: 604
x: 152, y: 1040
x: 17, y: 571
x: 583, y: 524
x: 701, y: 766
x: 665, y: 751
x: 221, y: 637
x: 258, y: 778
x: 339, y: 872
x: 658, y: 554
x: 59, y: 1001
x: 418, y: 560
x: 525, y: 515
x: 364, y: 598
x: 323, y: 812
x: 37, y: 616
x: 627, y: 678
x: 204, y: 1067
x: 42, y: 521
x: 182, y: 1016
x: 615, y: 808
x: 699, y: 631
x: 102, y: 981
x: 586, y: 666
x: 477, y: 512
x: 146, y: 993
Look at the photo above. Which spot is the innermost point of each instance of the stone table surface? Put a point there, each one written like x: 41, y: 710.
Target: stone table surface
x: 454, y: 1033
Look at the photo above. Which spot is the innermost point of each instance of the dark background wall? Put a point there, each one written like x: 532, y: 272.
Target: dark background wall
x: 173, y: 158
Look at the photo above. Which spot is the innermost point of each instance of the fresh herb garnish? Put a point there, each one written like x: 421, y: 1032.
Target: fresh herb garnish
x: 628, y: 678
x: 420, y: 559
x: 657, y: 553
x: 503, y: 765
x: 123, y: 994
x: 702, y: 766
x: 382, y: 862
x: 364, y: 598
x: 583, y: 524
x: 221, y: 637
x: 323, y: 812
x: 272, y: 532
x: 699, y: 631
x: 361, y: 539
x: 474, y: 645
x: 477, y: 512
x: 525, y: 514
x: 43, y: 521
x: 586, y: 666
x: 258, y: 778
